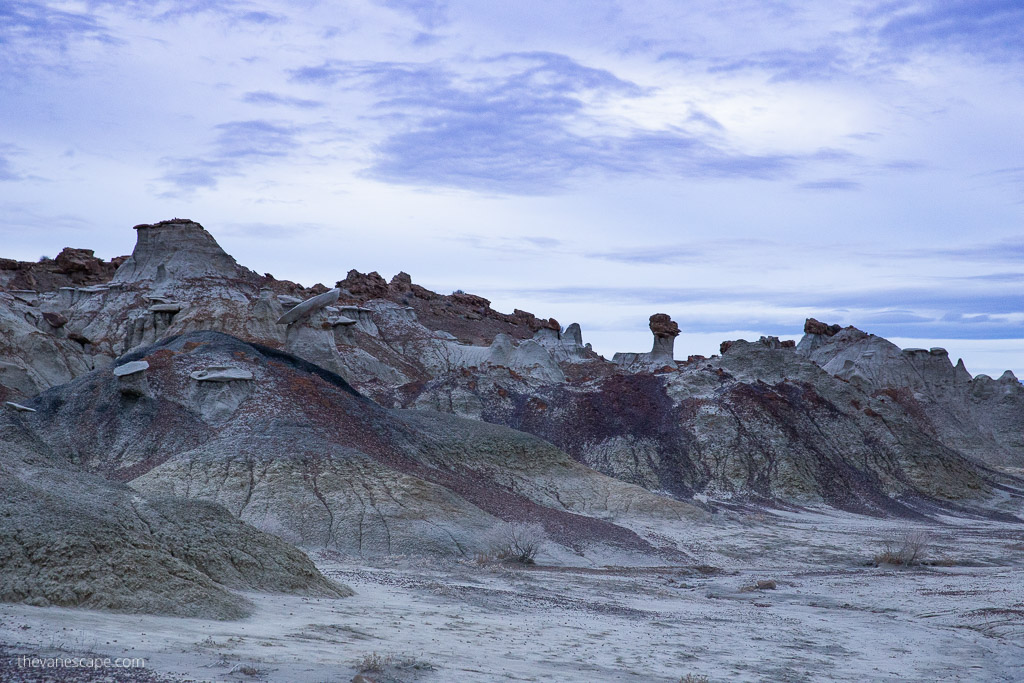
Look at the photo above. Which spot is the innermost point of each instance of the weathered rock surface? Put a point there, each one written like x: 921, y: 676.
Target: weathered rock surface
x: 304, y: 456
x: 75, y: 539
x: 177, y: 250
x: 978, y: 416
x: 758, y: 423
x: 846, y: 418
x: 309, y: 306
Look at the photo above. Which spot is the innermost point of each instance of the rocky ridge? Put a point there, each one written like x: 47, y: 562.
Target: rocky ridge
x: 843, y: 418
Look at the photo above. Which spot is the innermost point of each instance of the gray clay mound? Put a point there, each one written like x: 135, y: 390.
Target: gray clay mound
x: 292, y: 449
x: 73, y: 539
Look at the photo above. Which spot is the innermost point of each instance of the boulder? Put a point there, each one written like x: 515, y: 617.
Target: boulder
x: 55, y: 320
x: 221, y: 373
x: 309, y: 306
x: 132, y: 368
x: 812, y: 326
x: 131, y: 378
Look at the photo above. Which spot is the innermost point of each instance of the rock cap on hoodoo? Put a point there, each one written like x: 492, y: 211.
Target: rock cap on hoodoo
x: 662, y: 325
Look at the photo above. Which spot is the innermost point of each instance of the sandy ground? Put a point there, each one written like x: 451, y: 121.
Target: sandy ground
x: 830, y: 617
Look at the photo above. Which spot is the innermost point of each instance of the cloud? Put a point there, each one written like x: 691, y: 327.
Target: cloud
x: 431, y: 14
x: 264, y: 97
x: 237, y: 144
x: 1012, y: 177
x: 821, y: 63
x: 701, y: 252
x: 22, y: 20
x: 7, y: 171
x: 995, y: 277
x: 931, y: 303
x: 831, y: 185
x: 511, y: 246
x: 271, y: 231
x: 32, y: 33
x: 235, y: 12
x: 261, y: 18
x: 991, y: 29
x: 1010, y: 249
x: 525, y: 125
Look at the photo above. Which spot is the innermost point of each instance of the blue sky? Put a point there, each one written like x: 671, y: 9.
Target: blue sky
x: 739, y: 165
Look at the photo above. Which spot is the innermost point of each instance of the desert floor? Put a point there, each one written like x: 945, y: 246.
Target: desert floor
x: 832, y: 616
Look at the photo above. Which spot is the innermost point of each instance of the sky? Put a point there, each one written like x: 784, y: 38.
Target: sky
x: 740, y: 165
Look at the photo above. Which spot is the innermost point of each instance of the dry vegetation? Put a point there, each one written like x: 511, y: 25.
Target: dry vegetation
x: 906, y: 551
x: 518, y: 542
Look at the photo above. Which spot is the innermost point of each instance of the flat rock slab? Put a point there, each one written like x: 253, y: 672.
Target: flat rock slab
x: 18, y: 407
x: 131, y: 368
x: 309, y: 306
x: 221, y: 374
x: 165, y: 308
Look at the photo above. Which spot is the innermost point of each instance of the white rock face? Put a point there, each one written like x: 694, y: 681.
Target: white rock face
x: 220, y: 373
x: 132, y: 368
x: 32, y: 356
x: 309, y: 306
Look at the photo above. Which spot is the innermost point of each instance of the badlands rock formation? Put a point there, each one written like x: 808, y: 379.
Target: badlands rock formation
x: 71, y: 538
x: 979, y: 416
x: 381, y: 417
x: 292, y: 449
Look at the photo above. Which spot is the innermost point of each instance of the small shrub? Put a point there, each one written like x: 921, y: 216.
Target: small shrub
x: 518, y: 541
x: 373, y: 663
x: 694, y: 678
x: 907, y: 551
x: 483, y: 558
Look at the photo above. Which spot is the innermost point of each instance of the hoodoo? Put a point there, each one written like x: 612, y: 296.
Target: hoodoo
x: 176, y: 250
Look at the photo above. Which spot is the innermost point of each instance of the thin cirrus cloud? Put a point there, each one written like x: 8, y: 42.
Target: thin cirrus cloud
x: 831, y: 185
x: 945, y: 300
x: 820, y: 63
x: 7, y: 170
x: 431, y: 14
x: 991, y: 29
x: 263, y: 97
x: 34, y: 35
x: 234, y: 11
x: 237, y: 145
x: 526, y: 130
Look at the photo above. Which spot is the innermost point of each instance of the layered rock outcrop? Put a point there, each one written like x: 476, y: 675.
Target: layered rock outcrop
x: 978, y: 416
x: 845, y: 419
x: 304, y: 456
x: 74, y: 539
